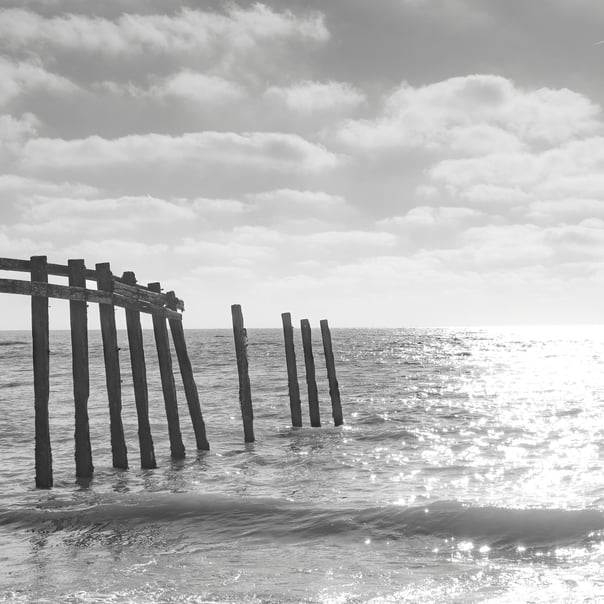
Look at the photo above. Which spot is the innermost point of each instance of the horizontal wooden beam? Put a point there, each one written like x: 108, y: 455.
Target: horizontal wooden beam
x: 63, y: 292
x: 137, y: 293
x: 142, y: 294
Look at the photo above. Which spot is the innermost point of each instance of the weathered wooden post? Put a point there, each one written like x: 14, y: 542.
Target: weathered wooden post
x: 311, y: 383
x: 188, y: 380
x: 334, y: 388
x: 139, y: 380
x: 245, y: 390
x: 41, y: 366
x: 177, y: 448
x: 78, y: 315
x: 292, y: 370
x: 104, y: 279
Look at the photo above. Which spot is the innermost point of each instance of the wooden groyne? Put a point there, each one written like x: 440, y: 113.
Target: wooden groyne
x: 111, y: 292
x: 245, y: 393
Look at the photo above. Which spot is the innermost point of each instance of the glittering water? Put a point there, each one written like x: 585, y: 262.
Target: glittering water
x: 469, y: 469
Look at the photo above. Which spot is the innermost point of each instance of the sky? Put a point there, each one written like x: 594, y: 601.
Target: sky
x: 380, y: 164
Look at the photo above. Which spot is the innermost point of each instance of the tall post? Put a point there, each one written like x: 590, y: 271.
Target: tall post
x: 40, y: 341
x: 81, y: 377
x: 177, y: 448
x: 311, y: 383
x: 104, y: 279
x: 245, y: 390
x: 292, y: 370
x: 139, y: 379
x: 334, y: 388
x: 188, y: 380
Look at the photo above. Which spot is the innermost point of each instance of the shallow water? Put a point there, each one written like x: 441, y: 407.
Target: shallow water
x: 468, y: 470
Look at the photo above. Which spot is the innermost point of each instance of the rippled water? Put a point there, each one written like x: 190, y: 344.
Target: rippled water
x: 468, y: 470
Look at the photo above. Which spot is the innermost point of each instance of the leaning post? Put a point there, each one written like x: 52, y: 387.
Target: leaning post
x: 41, y: 366
x: 311, y: 383
x: 104, y: 279
x: 292, y: 370
x: 139, y: 380
x: 188, y: 380
x: 334, y: 389
x: 78, y: 315
x: 177, y: 447
x: 245, y: 390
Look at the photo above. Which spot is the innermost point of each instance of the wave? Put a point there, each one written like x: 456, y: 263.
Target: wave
x: 228, y: 518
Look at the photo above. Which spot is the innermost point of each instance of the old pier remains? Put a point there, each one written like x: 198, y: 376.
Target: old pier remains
x: 166, y: 310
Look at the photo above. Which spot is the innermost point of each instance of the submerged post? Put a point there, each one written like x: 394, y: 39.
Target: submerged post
x: 311, y: 383
x: 139, y: 380
x: 78, y: 315
x: 40, y: 341
x: 334, y: 388
x: 292, y: 370
x: 245, y: 390
x: 104, y: 281
x: 188, y: 380
x: 177, y: 448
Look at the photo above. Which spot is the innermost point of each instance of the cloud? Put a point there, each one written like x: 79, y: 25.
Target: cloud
x: 472, y: 114
x: 198, y: 88
x: 431, y: 216
x: 309, y: 96
x: 17, y: 78
x: 186, y: 31
x: 260, y: 150
x: 14, y: 132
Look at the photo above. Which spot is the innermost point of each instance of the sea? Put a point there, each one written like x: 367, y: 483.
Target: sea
x: 469, y: 469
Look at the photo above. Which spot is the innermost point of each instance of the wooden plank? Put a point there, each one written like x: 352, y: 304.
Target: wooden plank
x: 188, y: 380
x: 311, y: 382
x: 245, y: 390
x: 12, y: 264
x: 41, y: 367
x: 56, y: 270
x: 137, y: 294
x: 334, y: 388
x: 139, y: 379
x: 112, y: 369
x: 292, y: 370
x: 52, y: 290
x: 177, y: 448
x: 81, y: 377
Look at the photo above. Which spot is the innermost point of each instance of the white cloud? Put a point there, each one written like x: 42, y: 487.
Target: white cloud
x: 185, y: 31
x: 262, y: 150
x: 431, y: 216
x: 472, y: 115
x: 310, y: 97
x: 17, y: 78
x: 198, y: 88
x: 14, y: 132
x: 112, y: 210
x: 309, y: 200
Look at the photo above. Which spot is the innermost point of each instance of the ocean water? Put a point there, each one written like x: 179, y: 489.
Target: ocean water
x: 469, y: 469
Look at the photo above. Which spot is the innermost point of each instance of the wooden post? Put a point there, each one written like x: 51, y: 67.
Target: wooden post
x: 292, y: 370
x: 177, y: 448
x: 245, y: 390
x: 112, y: 368
x: 81, y: 377
x: 40, y: 341
x: 309, y: 361
x: 334, y: 388
x: 188, y: 380
x: 139, y: 379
